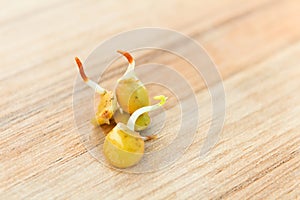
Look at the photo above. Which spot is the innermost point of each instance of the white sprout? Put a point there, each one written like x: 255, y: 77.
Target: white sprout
x: 140, y: 111
x: 89, y: 82
x: 130, y: 69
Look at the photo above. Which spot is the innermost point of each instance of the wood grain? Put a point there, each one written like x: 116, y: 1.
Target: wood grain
x: 256, y: 46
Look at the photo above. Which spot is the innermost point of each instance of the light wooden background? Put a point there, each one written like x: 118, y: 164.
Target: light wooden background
x: 256, y: 45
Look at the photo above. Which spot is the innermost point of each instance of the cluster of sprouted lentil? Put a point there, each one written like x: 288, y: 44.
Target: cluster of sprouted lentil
x: 128, y: 106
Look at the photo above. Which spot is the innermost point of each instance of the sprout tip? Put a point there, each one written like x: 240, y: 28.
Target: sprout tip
x: 162, y: 99
x: 81, y: 71
x: 127, y: 55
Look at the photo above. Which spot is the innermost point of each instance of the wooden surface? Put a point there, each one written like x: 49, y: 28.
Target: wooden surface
x: 256, y: 45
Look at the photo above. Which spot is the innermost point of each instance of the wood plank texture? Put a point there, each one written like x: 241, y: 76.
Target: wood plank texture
x: 256, y: 46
